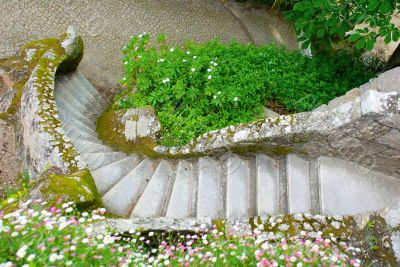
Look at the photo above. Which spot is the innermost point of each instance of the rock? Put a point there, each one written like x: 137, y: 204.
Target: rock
x: 6, y: 100
x: 140, y: 123
x: 73, y: 46
x: 129, y: 130
x: 79, y: 188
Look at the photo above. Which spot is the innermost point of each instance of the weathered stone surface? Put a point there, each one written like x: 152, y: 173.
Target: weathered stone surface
x: 44, y: 143
x: 6, y: 100
x: 299, y: 189
x: 78, y: 187
x: 129, y: 129
x: 347, y: 188
x: 140, y: 123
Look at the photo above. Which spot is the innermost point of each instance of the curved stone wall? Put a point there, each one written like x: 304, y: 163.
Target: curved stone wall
x: 106, y: 26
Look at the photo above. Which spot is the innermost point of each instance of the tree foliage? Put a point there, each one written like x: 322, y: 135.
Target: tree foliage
x: 322, y: 23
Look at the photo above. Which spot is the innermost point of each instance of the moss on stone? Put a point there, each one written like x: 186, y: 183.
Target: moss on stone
x: 78, y: 187
x: 111, y: 131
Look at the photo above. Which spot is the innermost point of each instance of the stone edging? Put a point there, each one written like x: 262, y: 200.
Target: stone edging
x: 44, y: 144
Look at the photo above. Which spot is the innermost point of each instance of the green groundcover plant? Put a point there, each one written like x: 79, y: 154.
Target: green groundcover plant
x: 196, y: 88
x: 39, y: 235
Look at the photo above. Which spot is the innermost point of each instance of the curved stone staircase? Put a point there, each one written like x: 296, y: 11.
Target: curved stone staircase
x: 230, y: 186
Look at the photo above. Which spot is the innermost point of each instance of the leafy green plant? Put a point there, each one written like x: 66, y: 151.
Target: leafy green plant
x: 321, y: 23
x: 201, y: 87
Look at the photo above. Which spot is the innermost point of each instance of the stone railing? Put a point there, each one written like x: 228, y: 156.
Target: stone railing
x: 46, y: 151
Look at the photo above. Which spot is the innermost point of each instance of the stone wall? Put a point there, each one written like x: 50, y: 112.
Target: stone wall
x: 106, y: 26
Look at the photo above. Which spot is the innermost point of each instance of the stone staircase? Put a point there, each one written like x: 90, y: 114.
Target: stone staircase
x: 228, y: 186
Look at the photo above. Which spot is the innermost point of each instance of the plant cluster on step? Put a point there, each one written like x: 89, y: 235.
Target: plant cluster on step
x: 196, y: 88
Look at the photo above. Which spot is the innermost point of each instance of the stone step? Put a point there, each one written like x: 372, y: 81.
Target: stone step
x: 66, y: 111
x: 347, y: 188
x: 77, y: 88
x: 77, y: 123
x: 63, y: 91
x: 299, y: 184
x: 109, y: 175
x: 89, y: 87
x: 267, y: 185
x: 153, y: 201
x: 122, y: 197
x: 240, y: 193
x: 81, y: 94
x: 75, y: 133
x: 210, y: 196
x: 183, y: 197
x: 87, y: 146
x: 98, y: 160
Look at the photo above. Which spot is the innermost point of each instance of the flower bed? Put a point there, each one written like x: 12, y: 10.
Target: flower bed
x: 37, y: 235
x: 197, y: 88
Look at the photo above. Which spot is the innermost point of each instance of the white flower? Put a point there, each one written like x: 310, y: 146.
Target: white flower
x: 193, y: 69
x: 53, y: 257
x: 161, y: 60
x: 101, y: 246
x: 209, y: 70
x: 235, y: 99
x: 215, y: 64
x: 171, y: 49
x: 65, y: 205
x: 68, y: 263
x: 184, y: 60
x: 215, y: 97
x: 85, y: 241
x: 334, y: 258
x: 25, y: 265
x: 126, y: 63
x: 14, y: 234
x: 200, y: 256
x: 188, y: 52
x: 108, y: 240
x: 72, y: 248
x: 60, y: 257
x: 31, y: 257
x: 10, y: 200
x: 194, y: 57
x: 165, y: 80
x: 166, y: 262
x: 151, y: 233
x: 70, y: 209
x: 209, y: 77
x: 22, y: 251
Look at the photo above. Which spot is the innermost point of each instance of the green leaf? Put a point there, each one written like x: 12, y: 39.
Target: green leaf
x: 354, y: 37
x: 361, y: 43
x: 373, y: 4
x: 370, y: 43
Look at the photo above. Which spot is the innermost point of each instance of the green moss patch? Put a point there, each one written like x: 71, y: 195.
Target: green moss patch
x: 111, y: 131
x: 79, y: 188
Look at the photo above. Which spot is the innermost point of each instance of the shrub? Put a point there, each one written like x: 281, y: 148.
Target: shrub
x: 201, y: 87
x: 37, y: 235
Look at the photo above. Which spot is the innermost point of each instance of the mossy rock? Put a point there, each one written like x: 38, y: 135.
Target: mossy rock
x: 112, y: 131
x: 78, y: 188
x: 74, y: 48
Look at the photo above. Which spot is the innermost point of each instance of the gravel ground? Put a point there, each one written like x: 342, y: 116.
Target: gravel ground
x: 9, y: 165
